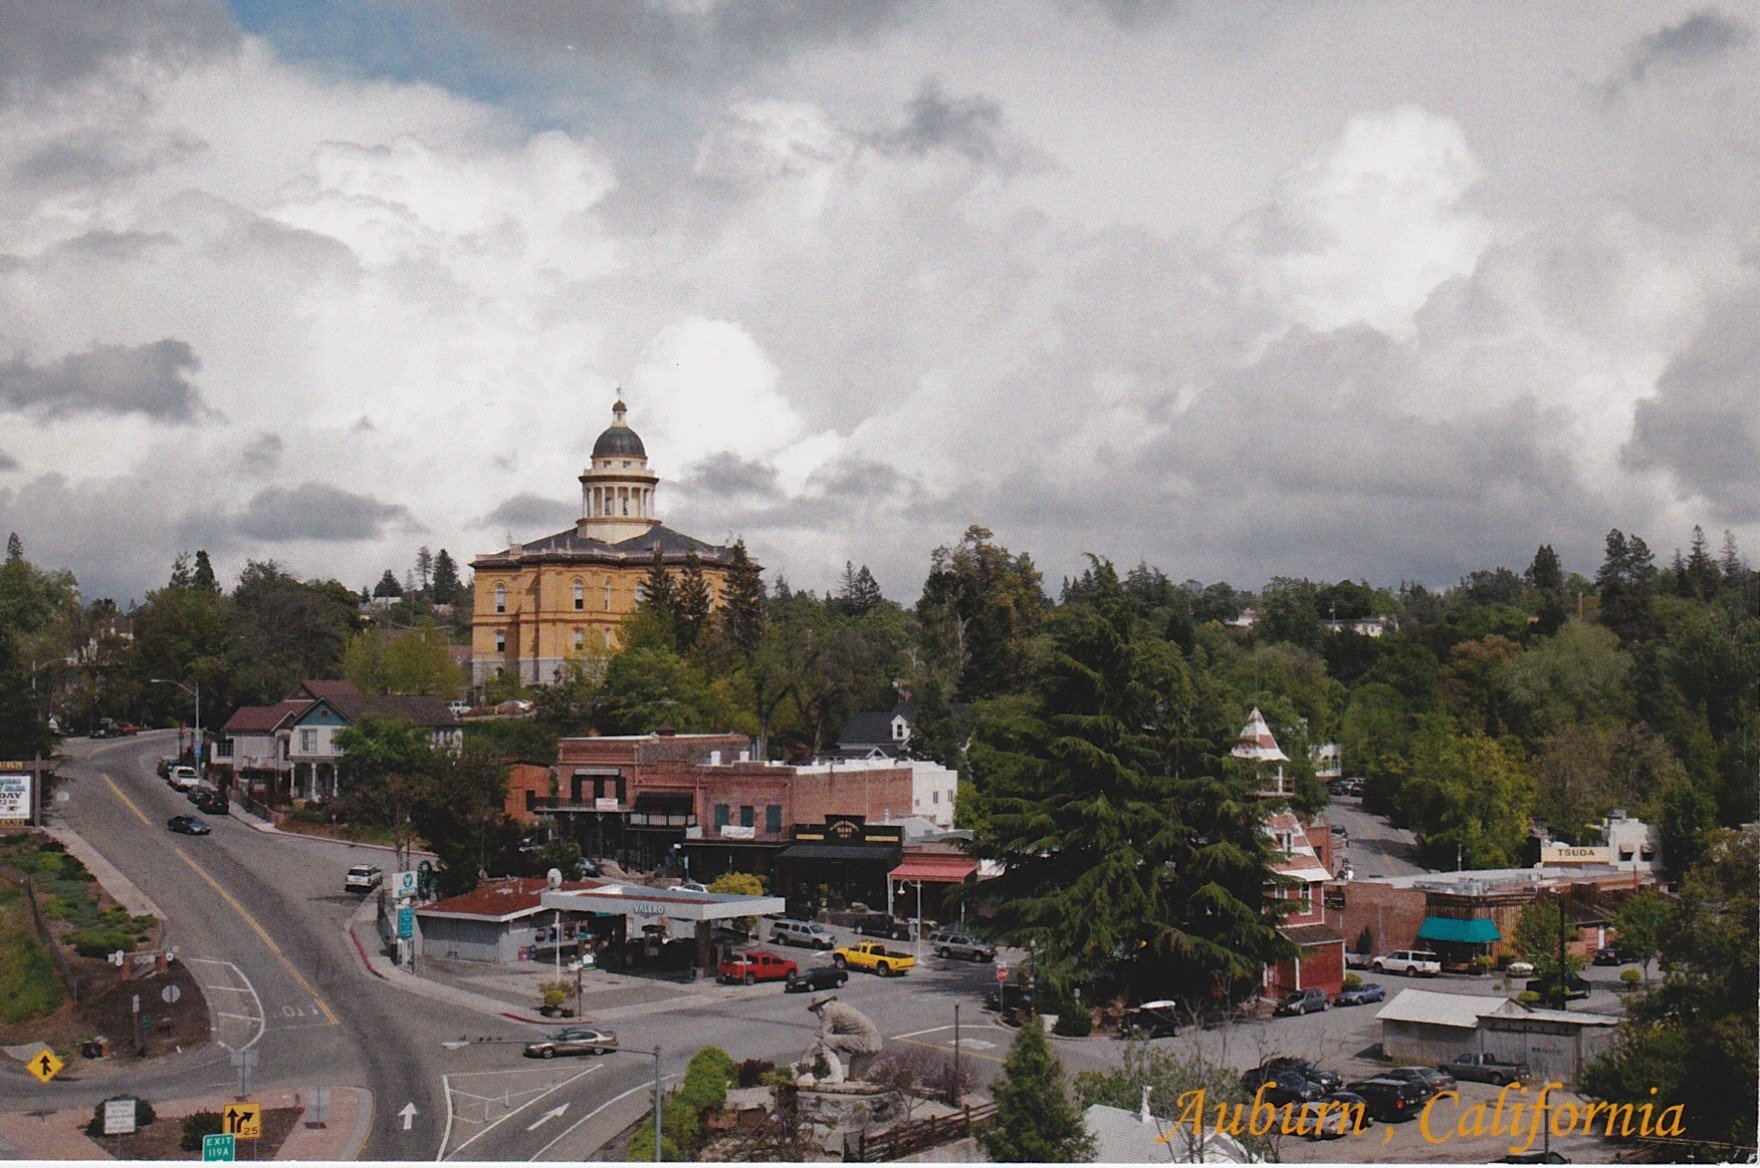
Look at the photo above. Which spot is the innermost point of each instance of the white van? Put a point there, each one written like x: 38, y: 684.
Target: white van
x: 804, y: 934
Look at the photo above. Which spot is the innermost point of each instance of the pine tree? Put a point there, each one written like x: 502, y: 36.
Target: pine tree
x: 445, y: 581
x: 1731, y: 563
x: 1546, y: 577
x: 1700, y: 576
x: 1036, y: 1121
x: 424, y: 568
x: 15, y: 548
x: 388, y: 585
x: 693, y: 601
x: 203, y: 577
x: 180, y: 574
x: 659, y: 592
x: 742, y: 610
x: 858, y: 594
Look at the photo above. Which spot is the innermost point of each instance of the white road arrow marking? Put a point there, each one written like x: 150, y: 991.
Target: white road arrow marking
x: 408, y: 1114
x: 553, y: 1113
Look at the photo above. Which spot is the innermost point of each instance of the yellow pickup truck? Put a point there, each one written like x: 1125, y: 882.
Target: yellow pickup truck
x: 874, y: 956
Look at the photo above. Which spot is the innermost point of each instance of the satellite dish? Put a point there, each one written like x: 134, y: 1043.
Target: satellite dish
x: 553, y: 878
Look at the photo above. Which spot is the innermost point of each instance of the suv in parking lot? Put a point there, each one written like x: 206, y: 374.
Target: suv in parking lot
x: 882, y: 925
x: 1391, y: 1100
x: 1411, y: 962
x: 806, y: 934
x: 964, y: 947
x: 363, y: 878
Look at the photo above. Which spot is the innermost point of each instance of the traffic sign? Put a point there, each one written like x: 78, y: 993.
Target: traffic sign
x: 243, y: 1120
x: 45, y: 1065
x: 406, y: 922
x: 170, y: 993
x: 405, y: 883
x: 119, y: 1115
x: 219, y: 1147
x: 1002, y: 973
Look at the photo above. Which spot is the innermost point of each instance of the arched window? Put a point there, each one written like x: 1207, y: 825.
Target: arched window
x: 607, y: 596
x: 500, y: 640
x: 500, y: 598
x: 580, y: 595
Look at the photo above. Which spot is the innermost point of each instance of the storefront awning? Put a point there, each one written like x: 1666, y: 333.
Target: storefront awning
x: 935, y: 869
x: 848, y: 853
x: 1479, y: 931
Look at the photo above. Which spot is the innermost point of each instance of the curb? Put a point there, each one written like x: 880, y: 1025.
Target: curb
x: 255, y: 824
x: 434, y: 992
x: 108, y: 876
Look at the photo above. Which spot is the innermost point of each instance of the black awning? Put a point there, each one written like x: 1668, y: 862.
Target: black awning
x: 666, y: 802
x: 848, y: 853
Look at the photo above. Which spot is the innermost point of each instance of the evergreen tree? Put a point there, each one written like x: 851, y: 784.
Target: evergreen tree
x: 444, y: 586
x: 659, y: 591
x: 1036, y: 1121
x: 993, y: 601
x: 693, y: 601
x: 742, y: 612
x: 1730, y: 563
x: 1546, y: 577
x: 180, y: 574
x: 424, y: 568
x: 388, y: 585
x: 14, y: 548
x: 203, y: 577
x: 857, y: 593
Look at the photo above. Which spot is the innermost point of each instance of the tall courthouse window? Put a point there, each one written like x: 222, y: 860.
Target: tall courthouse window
x: 580, y: 596
x: 500, y: 598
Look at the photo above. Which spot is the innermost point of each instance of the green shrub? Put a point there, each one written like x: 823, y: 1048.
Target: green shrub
x: 706, y: 1079
x: 143, y: 1115
x: 197, y: 1125
x: 1073, y: 1022
x: 1352, y: 981
x: 1528, y: 998
x: 1631, y: 977
x: 100, y: 942
x: 752, y: 1072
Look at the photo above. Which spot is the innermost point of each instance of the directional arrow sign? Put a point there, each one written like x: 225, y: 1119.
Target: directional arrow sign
x: 408, y: 1114
x: 243, y: 1120
x: 44, y: 1065
x: 553, y: 1113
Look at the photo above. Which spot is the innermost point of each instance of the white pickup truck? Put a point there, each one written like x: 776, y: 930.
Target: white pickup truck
x: 1411, y: 962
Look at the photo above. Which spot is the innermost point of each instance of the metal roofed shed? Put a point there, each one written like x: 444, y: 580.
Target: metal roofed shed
x: 1426, y: 1027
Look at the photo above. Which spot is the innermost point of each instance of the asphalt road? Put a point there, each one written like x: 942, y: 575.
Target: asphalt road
x: 259, y: 919
x: 1376, y: 847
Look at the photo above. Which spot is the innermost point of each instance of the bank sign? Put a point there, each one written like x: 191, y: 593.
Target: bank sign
x: 15, y: 795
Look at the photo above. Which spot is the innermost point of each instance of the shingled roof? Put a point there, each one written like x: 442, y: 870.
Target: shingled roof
x: 572, y: 547
x: 423, y: 711
x: 263, y: 719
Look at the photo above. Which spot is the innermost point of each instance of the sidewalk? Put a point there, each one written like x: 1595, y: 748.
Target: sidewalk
x: 257, y: 823
x: 120, y: 887
x: 60, y: 1135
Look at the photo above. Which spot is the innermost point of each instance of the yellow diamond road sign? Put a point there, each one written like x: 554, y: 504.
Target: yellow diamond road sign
x: 242, y: 1120
x: 44, y: 1065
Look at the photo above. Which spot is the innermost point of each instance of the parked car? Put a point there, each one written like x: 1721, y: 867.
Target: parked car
x: 1485, y: 1068
x: 1541, y: 1157
x: 199, y: 791
x: 164, y: 767
x: 1328, y: 1080
x: 211, y: 802
x: 883, y: 925
x: 804, y: 934
x: 1355, y: 1106
x: 1301, y: 1002
x: 1281, y: 1087
x: 873, y: 956
x: 1157, y: 1019
x: 572, y: 1040
x: 964, y: 947
x: 1576, y: 987
x: 128, y: 729
x: 1357, y: 960
x: 815, y: 979
x: 754, y: 967
x: 1519, y: 969
x: 1010, y: 995
x: 1390, y: 1100
x: 1319, y: 1120
x: 1411, y: 962
x: 182, y: 778
x: 1369, y: 991
x: 187, y: 825
x: 363, y: 878
x: 1613, y: 955
x: 1433, y: 1080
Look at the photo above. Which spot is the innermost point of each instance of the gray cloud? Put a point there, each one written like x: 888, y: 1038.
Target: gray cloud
x: 728, y: 476
x: 1703, y: 36
x: 529, y: 515
x: 261, y: 456
x: 151, y: 379
x: 971, y: 126
x: 7, y: 462
x: 1703, y: 425
x: 49, y: 44
x: 318, y: 511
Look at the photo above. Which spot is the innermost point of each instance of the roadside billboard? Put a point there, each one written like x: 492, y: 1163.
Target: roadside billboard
x: 16, y: 783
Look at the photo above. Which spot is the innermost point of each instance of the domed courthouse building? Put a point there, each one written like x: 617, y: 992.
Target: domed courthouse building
x: 540, y: 603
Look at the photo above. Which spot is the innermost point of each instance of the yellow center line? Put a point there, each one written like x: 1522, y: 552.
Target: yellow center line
x: 231, y: 900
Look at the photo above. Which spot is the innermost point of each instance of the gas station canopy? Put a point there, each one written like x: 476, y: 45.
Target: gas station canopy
x: 679, y: 904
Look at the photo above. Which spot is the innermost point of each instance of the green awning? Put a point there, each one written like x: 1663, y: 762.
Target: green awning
x: 1479, y: 931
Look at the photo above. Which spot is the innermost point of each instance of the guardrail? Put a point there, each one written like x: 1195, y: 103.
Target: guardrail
x: 907, y: 1139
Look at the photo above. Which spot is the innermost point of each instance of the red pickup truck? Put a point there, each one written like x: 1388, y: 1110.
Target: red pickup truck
x: 756, y: 966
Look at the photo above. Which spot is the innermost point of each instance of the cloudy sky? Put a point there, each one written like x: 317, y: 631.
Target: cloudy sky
x: 1244, y: 289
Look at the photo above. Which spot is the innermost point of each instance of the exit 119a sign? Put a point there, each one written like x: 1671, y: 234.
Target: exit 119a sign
x: 219, y: 1147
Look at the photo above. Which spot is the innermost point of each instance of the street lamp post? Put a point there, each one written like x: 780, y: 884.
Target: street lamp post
x: 197, y: 694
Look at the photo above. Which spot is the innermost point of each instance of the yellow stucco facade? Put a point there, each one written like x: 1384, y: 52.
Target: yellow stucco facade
x: 565, y: 596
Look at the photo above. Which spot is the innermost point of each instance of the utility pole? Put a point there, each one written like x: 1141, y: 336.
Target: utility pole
x: 656, y: 1104
x: 956, y: 1092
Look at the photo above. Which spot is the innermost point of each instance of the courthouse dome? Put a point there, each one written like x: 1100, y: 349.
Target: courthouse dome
x: 618, y: 440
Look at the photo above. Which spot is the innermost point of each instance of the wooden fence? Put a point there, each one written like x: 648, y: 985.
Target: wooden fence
x: 905, y: 1139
